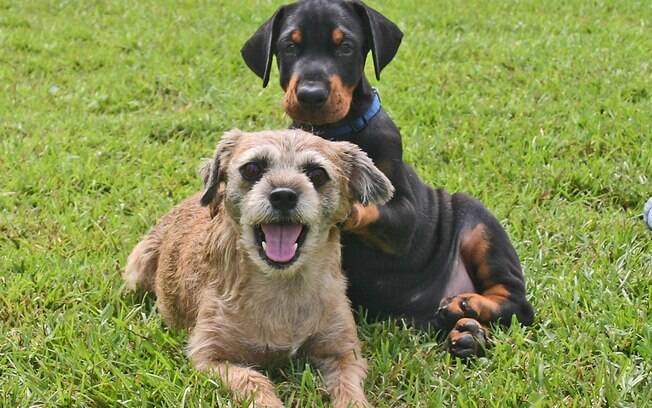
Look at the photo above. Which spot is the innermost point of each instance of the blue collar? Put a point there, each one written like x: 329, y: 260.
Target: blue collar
x: 354, y: 126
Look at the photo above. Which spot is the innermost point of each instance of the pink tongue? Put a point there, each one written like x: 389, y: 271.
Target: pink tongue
x: 280, y: 240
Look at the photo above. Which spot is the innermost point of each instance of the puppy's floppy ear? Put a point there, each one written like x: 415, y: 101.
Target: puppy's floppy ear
x: 212, y: 171
x: 367, y: 184
x: 383, y: 36
x: 259, y: 49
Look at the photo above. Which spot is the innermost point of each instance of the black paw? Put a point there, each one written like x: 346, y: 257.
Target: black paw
x: 467, y: 339
x: 452, y: 309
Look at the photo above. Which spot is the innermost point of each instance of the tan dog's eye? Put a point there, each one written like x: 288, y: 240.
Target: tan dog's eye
x: 318, y: 176
x: 252, y: 171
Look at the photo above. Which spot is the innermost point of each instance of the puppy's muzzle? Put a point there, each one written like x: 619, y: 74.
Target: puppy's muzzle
x: 313, y: 94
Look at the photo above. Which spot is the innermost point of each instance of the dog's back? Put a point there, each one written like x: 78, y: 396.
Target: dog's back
x: 140, y: 272
x: 168, y: 261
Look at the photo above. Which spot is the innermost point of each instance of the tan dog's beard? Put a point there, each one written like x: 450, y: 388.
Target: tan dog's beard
x: 256, y: 210
x: 335, y: 109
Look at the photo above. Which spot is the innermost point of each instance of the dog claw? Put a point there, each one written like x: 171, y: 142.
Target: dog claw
x: 467, y: 339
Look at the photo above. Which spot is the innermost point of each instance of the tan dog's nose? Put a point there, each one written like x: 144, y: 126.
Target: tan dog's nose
x: 283, y: 199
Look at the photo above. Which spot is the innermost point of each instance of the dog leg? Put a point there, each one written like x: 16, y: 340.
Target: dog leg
x: 485, y: 307
x: 336, y: 352
x: 212, y: 344
x: 344, y: 377
x: 246, y: 384
x: 494, y: 268
x: 361, y: 216
x: 140, y: 272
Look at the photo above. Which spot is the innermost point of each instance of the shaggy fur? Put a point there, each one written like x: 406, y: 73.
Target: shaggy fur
x: 211, y: 275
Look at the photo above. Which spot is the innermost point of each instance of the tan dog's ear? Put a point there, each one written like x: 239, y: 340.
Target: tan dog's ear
x: 212, y: 171
x: 367, y: 184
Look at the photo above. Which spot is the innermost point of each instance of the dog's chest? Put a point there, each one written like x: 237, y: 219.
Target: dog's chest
x: 283, y: 325
x: 274, y: 353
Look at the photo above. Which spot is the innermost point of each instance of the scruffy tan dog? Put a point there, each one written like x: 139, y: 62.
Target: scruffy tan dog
x: 256, y: 276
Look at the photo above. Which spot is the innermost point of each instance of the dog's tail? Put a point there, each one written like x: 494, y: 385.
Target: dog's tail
x: 140, y: 273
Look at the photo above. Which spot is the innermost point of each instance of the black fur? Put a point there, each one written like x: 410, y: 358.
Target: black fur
x: 421, y: 230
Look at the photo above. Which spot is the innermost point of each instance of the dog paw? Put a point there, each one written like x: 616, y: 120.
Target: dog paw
x: 351, y: 403
x: 452, y: 309
x: 361, y: 216
x: 467, y: 339
x: 266, y: 400
x: 353, y: 220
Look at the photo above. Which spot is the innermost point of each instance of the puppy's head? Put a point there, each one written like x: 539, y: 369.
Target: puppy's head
x: 285, y: 190
x: 321, y: 47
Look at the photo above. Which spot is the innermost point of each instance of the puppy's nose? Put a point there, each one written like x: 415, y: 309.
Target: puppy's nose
x: 312, y: 93
x: 283, y: 199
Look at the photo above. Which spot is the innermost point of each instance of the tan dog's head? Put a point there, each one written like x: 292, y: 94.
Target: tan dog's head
x: 285, y: 191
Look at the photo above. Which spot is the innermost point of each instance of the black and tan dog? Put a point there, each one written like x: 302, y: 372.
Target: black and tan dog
x: 438, y: 260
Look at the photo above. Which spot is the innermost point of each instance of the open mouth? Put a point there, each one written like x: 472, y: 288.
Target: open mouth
x: 280, y: 243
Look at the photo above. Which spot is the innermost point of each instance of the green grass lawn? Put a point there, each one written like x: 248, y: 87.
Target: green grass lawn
x: 542, y: 109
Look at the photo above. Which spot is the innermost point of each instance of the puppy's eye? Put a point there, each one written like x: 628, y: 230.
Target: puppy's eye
x: 344, y: 49
x: 291, y: 49
x: 318, y: 176
x: 252, y: 171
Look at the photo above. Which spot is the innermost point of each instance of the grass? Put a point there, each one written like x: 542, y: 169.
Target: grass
x: 540, y: 109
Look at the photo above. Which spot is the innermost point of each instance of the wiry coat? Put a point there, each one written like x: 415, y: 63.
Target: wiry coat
x: 202, y: 265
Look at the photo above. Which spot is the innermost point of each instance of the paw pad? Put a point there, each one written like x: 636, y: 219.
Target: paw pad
x: 467, y: 339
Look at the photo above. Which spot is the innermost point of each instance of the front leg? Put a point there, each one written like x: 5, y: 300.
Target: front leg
x: 361, y: 217
x: 344, y: 376
x: 486, y: 307
x: 388, y: 227
x: 215, y: 342
x: 336, y: 352
x: 209, y: 350
x: 494, y: 268
x: 246, y: 384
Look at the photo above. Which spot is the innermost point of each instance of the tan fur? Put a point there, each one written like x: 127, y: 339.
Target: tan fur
x: 335, y: 108
x: 142, y: 263
x: 485, y: 305
x: 208, y: 276
x: 337, y: 36
x: 360, y: 220
x: 457, y: 333
x: 467, y: 327
x: 474, y: 247
x: 297, y: 37
x: 361, y: 217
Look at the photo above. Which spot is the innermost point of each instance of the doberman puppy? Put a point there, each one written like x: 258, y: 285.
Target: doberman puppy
x: 435, y: 259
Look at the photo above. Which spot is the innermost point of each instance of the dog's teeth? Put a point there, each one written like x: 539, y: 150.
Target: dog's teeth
x: 296, y: 246
x: 264, y: 246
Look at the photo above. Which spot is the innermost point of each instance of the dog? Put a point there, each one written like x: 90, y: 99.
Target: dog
x: 251, y: 265
x: 438, y: 260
